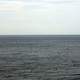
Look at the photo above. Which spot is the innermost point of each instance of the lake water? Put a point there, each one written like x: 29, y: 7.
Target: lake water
x: 39, y: 57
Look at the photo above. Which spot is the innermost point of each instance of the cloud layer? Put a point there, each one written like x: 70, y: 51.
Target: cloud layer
x: 40, y: 17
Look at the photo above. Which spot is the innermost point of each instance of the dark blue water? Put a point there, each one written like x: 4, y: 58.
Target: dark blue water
x: 39, y: 57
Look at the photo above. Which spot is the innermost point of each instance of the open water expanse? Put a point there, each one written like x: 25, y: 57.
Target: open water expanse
x: 39, y: 57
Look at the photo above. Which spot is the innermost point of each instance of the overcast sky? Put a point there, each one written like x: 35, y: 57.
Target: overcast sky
x: 29, y: 17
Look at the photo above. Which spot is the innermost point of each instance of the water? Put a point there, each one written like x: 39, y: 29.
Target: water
x: 39, y: 57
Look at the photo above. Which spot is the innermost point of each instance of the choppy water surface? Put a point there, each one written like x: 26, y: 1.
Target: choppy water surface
x: 39, y: 58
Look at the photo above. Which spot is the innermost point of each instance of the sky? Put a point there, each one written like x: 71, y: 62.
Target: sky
x: 39, y: 17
